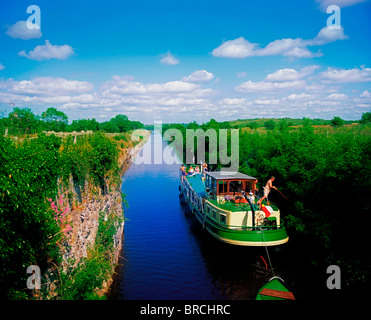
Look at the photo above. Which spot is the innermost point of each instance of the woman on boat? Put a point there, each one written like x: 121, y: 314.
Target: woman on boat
x: 197, y: 170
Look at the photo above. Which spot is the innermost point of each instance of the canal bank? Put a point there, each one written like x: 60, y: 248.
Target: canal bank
x: 91, y: 248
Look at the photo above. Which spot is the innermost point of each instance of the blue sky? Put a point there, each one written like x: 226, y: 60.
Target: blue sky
x: 179, y: 61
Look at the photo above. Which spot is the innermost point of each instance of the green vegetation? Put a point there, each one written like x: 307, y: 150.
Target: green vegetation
x: 32, y: 225
x: 324, y: 171
x: 292, y: 123
x: 23, y: 121
x: 337, y: 122
x: 326, y: 176
x: 29, y: 232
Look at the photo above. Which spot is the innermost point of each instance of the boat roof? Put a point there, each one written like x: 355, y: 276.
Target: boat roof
x: 197, y: 184
x: 225, y: 175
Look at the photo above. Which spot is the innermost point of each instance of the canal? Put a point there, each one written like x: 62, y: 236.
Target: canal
x: 166, y: 255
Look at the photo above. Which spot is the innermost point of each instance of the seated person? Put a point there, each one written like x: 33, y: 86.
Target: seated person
x: 197, y: 170
x: 191, y: 171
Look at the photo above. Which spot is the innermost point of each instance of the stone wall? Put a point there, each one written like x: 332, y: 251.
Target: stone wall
x: 84, y: 205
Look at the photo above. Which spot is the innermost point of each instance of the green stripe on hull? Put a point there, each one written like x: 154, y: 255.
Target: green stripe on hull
x: 258, y: 237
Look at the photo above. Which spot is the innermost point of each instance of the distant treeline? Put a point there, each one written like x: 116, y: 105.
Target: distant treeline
x: 24, y: 121
x: 268, y: 124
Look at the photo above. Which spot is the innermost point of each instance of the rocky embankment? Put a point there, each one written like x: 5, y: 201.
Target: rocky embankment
x: 85, y: 205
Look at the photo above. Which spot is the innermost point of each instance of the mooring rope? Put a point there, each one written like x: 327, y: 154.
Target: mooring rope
x: 266, y: 249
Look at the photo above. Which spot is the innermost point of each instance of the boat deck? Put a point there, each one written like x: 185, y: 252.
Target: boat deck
x: 198, y: 185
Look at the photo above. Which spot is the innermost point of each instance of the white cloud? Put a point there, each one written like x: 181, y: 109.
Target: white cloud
x: 169, y: 60
x: 1, y: 67
x: 48, y: 51
x: 294, y: 48
x: 332, y: 75
x: 280, y: 46
x: 290, y: 74
x: 46, y: 86
x: 19, y: 30
x: 199, y: 76
x: 233, y: 101
x: 337, y: 96
x: 299, y: 97
x: 238, y: 48
x: 269, y: 87
x: 297, y: 52
x: 123, y: 86
x: 341, y: 3
x: 365, y: 94
x: 267, y: 101
x: 327, y: 35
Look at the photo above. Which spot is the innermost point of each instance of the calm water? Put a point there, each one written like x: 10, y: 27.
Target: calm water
x: 166, y: 255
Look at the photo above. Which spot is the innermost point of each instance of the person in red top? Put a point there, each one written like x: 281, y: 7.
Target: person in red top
x: 267, y: 189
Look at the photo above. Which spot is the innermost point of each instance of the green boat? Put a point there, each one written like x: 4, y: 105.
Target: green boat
x: 274, y: 289
x: 224, y: 204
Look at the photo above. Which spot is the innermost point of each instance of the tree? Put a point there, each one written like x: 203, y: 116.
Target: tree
x: 253, y: 125
x: 269, y: 125
x: 84, y: 124
x: 337, y: 122
x: 22, y: 120
x: 54, y: 120
x: 366, y: 118
x: 283, y: 125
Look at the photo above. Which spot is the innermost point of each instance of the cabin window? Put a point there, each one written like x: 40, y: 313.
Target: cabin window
x: 222, y: 218
x: 214, y: 214
x: 235, y: 186
x: 223, y: 187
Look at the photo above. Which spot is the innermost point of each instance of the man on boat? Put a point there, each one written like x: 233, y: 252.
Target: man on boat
x: 183, y: 169
x: 267, y: 189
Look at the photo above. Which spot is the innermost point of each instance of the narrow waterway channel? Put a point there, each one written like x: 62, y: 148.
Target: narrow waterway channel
x: 166, y: 255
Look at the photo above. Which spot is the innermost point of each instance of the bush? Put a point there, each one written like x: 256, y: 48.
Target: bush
x: 337, y: 122
x: 326, y: 176
x: 269, y: 125
x: 29, y: 233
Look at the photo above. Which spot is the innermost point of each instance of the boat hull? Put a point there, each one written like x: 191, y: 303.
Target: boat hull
x: 256, y: 237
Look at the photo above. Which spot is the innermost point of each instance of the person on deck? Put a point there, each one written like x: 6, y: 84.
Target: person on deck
x: 191, y: 171
x: 183, y: 169
x: 197, y: 170
x: 268, y: 187
x: 204, y: 167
